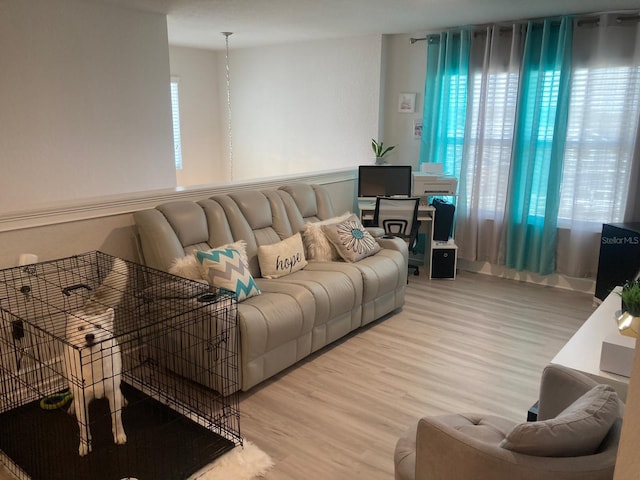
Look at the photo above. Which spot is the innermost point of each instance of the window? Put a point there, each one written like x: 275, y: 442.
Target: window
x: 603, y: 120
x: 601, y: 134
x: 549, y: 141
x: 175, y: 115
x: 496, y: 107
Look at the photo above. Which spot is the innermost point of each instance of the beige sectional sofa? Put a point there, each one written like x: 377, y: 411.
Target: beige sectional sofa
x: 295, y: 314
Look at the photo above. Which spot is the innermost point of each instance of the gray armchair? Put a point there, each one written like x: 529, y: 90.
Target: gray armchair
x: 472, y: 446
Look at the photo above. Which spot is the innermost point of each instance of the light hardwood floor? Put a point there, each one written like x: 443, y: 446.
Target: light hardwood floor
x: 477, y: 343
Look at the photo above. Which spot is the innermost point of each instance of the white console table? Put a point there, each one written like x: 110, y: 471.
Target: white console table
x: 582, y: 351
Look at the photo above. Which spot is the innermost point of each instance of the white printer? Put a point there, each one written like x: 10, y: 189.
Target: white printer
x: 430, y: 185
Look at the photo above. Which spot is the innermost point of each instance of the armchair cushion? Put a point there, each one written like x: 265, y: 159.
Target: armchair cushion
x: 578, y: 430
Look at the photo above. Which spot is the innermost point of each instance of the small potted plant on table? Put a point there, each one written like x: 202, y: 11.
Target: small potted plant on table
x: 380, y: 151
x: 629, y: 320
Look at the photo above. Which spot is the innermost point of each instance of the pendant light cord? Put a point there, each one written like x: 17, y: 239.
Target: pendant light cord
x: 227, y: 34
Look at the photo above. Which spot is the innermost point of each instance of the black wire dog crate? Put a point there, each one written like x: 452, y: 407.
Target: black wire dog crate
x: 79, y: 327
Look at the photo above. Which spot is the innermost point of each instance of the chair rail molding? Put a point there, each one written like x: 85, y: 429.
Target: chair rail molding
x: 122, y: 204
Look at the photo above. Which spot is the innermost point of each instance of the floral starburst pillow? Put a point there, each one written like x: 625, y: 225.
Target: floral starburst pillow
x: 351, y: 239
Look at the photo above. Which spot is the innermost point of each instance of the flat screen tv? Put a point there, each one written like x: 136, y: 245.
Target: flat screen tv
x: 384, y: 180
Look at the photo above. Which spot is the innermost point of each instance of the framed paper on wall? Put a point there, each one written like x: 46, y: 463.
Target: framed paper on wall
x: 417, y: 129
x: 407, y: 103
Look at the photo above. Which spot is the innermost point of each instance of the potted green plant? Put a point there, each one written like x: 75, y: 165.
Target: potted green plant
x: 631, y: 297
x: 380, y: 150
x: 629, y: 320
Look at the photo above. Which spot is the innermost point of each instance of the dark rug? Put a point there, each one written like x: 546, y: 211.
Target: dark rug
x: 161, y: 444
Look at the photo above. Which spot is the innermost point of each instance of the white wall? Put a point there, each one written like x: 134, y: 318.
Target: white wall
x: 202, y: 115
x: 297, y: 108
x: 84, y: 102
x: 306, y: 107
x: 404, y: 69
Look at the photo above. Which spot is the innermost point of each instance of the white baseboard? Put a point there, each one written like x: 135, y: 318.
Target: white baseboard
x: 584, y: 285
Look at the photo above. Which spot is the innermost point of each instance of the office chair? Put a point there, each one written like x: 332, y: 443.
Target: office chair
x: 399, y: 217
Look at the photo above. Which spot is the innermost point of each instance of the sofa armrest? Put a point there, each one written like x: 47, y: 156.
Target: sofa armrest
x: 395, y: 243
x: 375, y: 232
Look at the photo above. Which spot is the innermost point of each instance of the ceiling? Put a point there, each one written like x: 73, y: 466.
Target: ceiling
x: 200, y: 23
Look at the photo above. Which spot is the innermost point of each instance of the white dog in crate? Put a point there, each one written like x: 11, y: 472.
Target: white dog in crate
x: 92, y: 356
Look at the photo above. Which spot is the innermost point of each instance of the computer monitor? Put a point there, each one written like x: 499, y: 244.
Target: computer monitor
x: 381, y: 180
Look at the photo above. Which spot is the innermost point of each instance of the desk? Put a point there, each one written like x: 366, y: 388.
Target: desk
x: 426, y: 215
x: 367, y: 208
x: 582, y: 351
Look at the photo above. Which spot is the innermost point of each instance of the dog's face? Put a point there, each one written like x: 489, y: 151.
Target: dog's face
x: 89, y: 330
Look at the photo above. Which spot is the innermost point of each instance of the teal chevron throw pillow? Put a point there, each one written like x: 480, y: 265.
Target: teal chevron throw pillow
x: 226, y: 269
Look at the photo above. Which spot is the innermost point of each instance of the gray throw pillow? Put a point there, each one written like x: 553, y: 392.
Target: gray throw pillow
x: 351, y: 239
x: 578, y: 430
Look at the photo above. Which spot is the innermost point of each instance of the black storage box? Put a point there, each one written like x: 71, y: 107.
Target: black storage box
x: 443, y: 261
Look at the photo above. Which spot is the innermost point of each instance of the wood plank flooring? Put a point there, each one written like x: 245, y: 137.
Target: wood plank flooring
x: 478, y: 343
